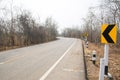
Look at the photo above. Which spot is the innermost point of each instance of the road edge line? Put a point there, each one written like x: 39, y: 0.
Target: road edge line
x: 55, y: 64
x: 84, y: 59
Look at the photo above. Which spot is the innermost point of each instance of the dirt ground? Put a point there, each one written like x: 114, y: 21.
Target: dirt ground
x: 114, y: 61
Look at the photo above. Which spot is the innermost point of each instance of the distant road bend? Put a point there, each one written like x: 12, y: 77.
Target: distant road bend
x: 31, y: 63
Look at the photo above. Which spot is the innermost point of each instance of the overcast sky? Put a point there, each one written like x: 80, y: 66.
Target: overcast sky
x: 65, y: 12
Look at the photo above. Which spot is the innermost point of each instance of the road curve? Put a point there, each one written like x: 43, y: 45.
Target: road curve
x: 30, y: 63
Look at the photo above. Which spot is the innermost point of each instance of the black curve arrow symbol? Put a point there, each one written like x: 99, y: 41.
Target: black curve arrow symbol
x: 106, y: 33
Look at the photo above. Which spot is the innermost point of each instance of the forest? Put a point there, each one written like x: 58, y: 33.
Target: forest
x: 20, y: 28
x: 107, y: 12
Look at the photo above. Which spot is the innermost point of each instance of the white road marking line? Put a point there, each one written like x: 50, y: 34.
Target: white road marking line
x: 55, y: 64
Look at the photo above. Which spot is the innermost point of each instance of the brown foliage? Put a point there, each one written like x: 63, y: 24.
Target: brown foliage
x: 24, y: 31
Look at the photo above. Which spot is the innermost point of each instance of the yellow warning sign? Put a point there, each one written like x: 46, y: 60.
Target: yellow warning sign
x: 86, y: 34
x: 108, y: 33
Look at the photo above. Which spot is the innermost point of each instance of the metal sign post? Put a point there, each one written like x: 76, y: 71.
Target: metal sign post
x: 106, y: 51
x: 108, y: 35
x: 101, y: 74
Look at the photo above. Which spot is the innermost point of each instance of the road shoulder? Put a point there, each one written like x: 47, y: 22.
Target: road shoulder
x: 71, y: 66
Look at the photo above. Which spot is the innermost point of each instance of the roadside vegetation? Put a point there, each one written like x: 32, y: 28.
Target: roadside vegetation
x: 18, y: 28
x: 114, y: 64
x: 107, y: 12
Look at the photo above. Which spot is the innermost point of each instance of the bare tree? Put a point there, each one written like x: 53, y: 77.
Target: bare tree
x: 51, y: 27
x: 72, y: 32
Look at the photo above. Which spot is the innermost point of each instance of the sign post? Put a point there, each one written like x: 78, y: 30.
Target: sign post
x: 101, y: 74
x: 108, y: 35
x: 106, y: 51
x: 86, y: 39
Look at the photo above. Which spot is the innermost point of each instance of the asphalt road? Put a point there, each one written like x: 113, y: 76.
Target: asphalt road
x: 31, y: 63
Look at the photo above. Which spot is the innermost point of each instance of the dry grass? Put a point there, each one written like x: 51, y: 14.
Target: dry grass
x: 9, y: 48
x: 114, y: 61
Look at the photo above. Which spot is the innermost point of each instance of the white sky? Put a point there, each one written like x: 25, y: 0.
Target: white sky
x: 65, y: 12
